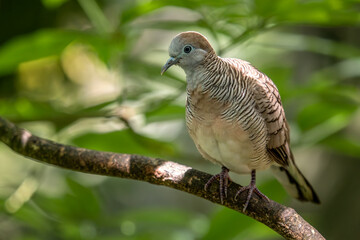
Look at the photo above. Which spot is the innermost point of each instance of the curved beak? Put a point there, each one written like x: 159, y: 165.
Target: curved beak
x: 169, y: 63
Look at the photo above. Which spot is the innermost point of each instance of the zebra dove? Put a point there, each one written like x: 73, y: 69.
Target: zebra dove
x: 235, y: 117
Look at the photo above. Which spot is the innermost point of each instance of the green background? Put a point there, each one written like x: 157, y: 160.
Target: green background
x: 87, y: 73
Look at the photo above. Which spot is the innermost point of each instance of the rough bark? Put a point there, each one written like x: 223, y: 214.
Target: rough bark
x: 284, y: 220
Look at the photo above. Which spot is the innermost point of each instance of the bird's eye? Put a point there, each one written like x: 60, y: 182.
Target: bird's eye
x: 187, y: 49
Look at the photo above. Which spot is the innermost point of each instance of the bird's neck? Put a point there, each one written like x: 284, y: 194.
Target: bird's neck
x: 197, y: 75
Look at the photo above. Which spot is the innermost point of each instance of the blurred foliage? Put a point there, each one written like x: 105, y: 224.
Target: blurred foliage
x: 87, y: 73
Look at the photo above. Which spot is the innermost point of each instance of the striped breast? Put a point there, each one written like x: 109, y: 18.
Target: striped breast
x: 223, y: 121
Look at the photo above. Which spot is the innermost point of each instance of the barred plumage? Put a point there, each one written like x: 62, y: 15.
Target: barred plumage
x: 235, y: 116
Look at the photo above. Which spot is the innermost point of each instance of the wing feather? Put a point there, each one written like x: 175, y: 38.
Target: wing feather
x: 268, y: 104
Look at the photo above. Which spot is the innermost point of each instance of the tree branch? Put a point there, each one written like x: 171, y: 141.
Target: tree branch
x: 286, y: 221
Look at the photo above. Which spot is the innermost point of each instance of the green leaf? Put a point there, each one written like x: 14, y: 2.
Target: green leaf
x: 34, y: 46
x: 227, y: 224
x: 23, y: 110
x: 169, y: 112
x: 326, y: 128
x: 274, y: 190
x: 125, y: 141
x: 158, y: 216
x: 343, y: 144
x: 82, y: 201
x: 96, y: 16
x: 328, y: 13
x: 51, y: 4
x: 317, y: 113
x: 78, y: 204
x: 33, y: 218
x: 51, y: 42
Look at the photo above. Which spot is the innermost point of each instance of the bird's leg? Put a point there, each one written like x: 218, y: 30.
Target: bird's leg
x: 252, y: 188
x: 224, y: 178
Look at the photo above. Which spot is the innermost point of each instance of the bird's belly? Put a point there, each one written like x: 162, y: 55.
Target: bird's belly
x: 225, y: 143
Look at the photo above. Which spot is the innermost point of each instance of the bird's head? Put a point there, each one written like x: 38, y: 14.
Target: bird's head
x: 188, y: 49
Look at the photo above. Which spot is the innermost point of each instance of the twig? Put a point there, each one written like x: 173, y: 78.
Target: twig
x: 284, y: 220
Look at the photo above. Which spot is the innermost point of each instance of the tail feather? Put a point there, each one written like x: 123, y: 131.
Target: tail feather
x: 295, y: 183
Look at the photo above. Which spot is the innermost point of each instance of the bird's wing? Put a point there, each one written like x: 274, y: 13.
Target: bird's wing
x: 268, y: 104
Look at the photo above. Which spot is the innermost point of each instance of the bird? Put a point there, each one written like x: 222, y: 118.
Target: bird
x: 236, y: 119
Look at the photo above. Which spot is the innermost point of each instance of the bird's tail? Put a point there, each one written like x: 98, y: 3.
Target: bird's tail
x: 294, y: 182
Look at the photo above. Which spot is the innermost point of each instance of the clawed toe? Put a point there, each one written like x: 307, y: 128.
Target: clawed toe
x: 224, y: 178
x: 251, y: 188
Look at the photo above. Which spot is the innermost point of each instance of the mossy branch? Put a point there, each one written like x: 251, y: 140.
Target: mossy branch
x: 284, y: 220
